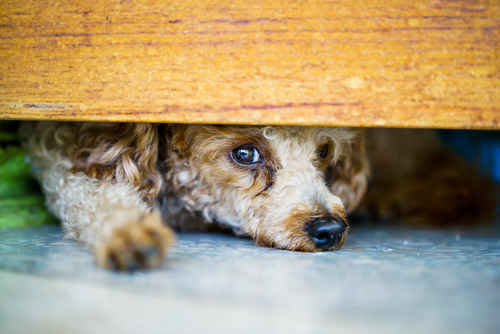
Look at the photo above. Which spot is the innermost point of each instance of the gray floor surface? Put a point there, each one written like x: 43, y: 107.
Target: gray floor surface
x: 384, y: 280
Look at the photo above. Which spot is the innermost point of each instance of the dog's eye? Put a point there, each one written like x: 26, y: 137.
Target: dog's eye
x: 246, y: 154
x: 323, y: 151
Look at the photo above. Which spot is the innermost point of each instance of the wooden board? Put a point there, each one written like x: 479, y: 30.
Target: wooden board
x: 404, y: 63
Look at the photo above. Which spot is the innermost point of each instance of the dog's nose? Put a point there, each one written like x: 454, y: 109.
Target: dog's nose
x: 326, y: 233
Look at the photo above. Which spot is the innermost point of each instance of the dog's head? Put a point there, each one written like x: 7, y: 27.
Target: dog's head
x: 287, y: 187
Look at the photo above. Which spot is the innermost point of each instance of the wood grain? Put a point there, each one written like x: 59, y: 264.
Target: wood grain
x: 403, y: 63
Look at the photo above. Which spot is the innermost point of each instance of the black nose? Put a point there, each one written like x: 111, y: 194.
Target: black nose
x: 326, y: 233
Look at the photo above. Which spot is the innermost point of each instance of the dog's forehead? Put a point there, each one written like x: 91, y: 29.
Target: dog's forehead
x: 292, y: 133
x: 294, y: 144
x: 304, y: 135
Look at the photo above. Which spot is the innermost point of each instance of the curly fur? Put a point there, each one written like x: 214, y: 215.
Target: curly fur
x: 103, y: 181
x: 98, y: 177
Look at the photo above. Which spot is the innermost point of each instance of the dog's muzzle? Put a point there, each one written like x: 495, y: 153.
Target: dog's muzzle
x: 326, y: 233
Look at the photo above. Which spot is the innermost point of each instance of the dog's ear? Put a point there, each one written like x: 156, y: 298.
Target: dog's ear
x: 121, y: 152
x: 348, y: 176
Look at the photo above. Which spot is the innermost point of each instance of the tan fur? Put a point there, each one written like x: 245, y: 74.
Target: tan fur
x: 103, y: 179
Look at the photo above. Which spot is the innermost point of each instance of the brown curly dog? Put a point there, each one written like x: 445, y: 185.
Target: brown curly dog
x: 118, y: 187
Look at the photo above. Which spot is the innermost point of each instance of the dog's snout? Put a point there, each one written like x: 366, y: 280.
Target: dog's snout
x: 326, y: 233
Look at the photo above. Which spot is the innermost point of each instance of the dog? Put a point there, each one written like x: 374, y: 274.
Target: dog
x: 120, y: 188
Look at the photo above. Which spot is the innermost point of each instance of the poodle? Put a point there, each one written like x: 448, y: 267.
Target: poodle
x: 120, y: 188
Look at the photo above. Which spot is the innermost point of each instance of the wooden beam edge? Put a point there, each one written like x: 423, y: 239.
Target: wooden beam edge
x: 296, y: 116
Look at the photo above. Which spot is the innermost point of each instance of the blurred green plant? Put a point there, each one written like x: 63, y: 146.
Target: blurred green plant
x: 21, y: 201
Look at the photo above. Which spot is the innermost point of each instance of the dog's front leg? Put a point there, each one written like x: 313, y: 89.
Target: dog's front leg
x: 111, y: 218
x: 130, y: 238
x: 98, y: 179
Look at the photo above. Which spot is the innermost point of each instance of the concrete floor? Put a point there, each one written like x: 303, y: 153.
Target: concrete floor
x: 384, y: 280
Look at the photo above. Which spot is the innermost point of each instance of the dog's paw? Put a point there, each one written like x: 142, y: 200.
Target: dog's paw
x: 136, y: 245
